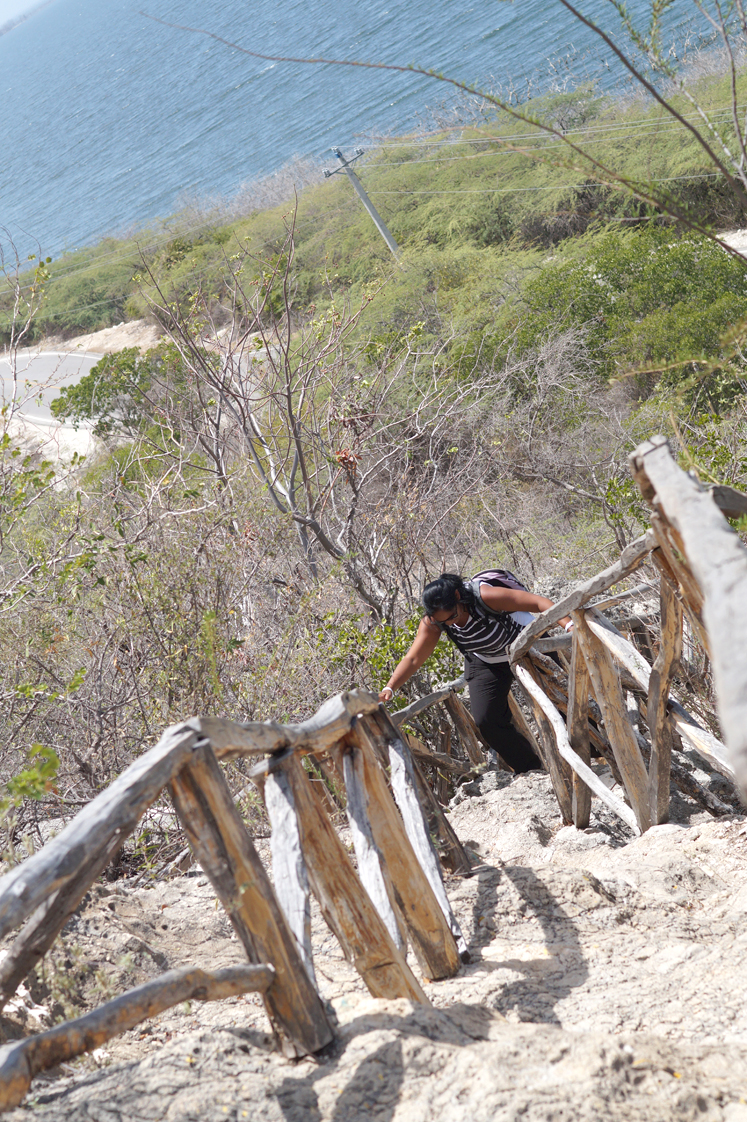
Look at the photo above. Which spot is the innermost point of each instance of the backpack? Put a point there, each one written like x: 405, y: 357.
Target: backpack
x: 502, y: 577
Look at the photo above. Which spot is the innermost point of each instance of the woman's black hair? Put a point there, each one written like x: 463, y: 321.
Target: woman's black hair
x: 441, y: 593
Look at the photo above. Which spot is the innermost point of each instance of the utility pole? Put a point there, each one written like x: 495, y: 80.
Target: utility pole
x: 379, y: 222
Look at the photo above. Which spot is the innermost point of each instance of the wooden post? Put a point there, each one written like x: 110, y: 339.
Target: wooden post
x: 465, y: 726
x: 554, y: 681
x: 579, y: 687
x: 662, y: 673
x: 683, y: 723
x: 451, y: 851
x: 610, y: 700
x: 424, y: 754
x: 522, y: 725
x: 405, y: 789
x: 371, y: 866
x: 552, y: 759
x: 345, y: 904
x: 288, y: 865
x: 430, y: 934
x: 22, y: 1060
x: 224, y: 849
x: 671, y: 549
x: 453, y: 854
x: 557, y: 725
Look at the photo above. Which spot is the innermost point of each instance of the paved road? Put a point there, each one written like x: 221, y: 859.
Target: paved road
x: 41, y: 375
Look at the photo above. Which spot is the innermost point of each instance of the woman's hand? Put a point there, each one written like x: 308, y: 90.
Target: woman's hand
x: 422, y: 648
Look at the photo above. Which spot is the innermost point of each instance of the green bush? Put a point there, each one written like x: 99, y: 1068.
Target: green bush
x: 648, y: 299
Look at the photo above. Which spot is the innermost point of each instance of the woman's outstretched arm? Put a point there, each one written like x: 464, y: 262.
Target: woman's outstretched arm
x: 422, y: 648
x: 516, y: 600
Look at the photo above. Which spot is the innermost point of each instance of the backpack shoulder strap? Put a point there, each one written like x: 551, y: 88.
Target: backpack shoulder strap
x: 503, y: 577
x: 480, y: 604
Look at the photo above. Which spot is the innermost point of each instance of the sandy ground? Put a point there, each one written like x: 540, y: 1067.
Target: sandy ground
x: 135, y: 333
x: 608, y: 980
x: 737, y: 239
x: 45, y: 436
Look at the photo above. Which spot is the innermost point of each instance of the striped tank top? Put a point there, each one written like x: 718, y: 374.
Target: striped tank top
x: 486, y: 634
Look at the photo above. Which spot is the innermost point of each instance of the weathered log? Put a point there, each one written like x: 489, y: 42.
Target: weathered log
x: 466, y: 728
x: 609, y: 601
x: 441, y: 786
x: 731, y: 503
x: 578, y: 732
x: 439, y: 760
x: 288, y: 865
x: 684, y: 724
x: 660, y: 682
x: 22, y: 1060
x: 556, y: 723
x: 372, y: 868
x: 452, y: 853
x: 609, y: 695
x: 551, y: 757
x: 428, y: 928
x: 630, y: 558
x: 224, y: 849
x: 670, y: 548
x: 256, y: 738
x: 686, y: 782
x: 553, y: 643
x: 552, y: 685
x: 345, y: 904
x: 405, y: 790
x: 402, y: 715
x: 718, y: 561
x: 108, y: 819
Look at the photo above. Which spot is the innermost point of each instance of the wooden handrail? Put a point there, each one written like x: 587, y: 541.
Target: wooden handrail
x: 392, y: 812
x: 630, y: 558
x: 259, y: 738
x: 75, y: 854
x: 22, y: 1060
x: 564, y: 748
x: 718, y: 561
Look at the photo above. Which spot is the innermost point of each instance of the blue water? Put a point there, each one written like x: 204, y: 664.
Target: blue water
x: 108, y: 119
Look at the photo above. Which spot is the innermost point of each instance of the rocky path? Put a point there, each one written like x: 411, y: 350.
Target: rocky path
x: 609, y: 980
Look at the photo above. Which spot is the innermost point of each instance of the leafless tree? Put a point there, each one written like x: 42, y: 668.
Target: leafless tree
x: 350, y: 450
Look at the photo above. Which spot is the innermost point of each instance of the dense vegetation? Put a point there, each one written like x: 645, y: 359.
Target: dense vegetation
x: 323, y: 429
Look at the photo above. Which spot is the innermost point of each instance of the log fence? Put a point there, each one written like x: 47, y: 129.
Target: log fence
x: 577, y: 696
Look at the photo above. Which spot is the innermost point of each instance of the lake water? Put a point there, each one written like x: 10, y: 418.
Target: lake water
x: 109, y: 119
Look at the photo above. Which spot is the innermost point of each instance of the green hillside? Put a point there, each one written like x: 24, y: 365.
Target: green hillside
x: 252, y: 536
x: 476, y: 220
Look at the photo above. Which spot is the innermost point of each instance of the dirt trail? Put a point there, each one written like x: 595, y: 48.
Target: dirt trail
x: 132, y: 333
x: 608, y: 981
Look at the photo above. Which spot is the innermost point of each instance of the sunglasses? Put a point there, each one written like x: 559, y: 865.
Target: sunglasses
x: 450, y: 618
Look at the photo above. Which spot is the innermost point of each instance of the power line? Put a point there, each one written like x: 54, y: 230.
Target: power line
x: 114, y: 257
x: 513, y: 152
x: 383, y: 144
x: 522, y: 190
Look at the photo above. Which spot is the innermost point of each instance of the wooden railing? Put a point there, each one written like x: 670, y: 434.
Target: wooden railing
x: 702, y: 566
x: 574, y: 687
x: 396, y: 894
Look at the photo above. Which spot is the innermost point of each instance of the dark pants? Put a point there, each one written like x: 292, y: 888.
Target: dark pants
x: 489, y: 683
